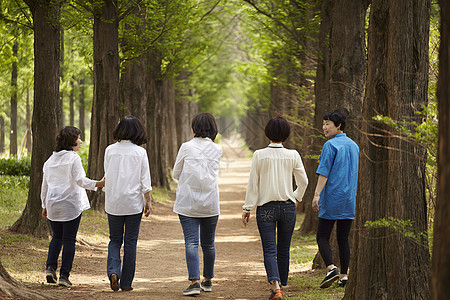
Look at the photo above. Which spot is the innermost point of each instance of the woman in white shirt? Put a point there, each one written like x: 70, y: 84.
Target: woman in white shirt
x: 197, y: 200
x: 127, y: 195
x: 270, y: 190
x: 63, y: 201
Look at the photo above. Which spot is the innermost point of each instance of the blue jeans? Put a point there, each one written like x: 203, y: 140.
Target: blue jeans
x: 207, y: 234
x: 276, y: 222
x: 64, y: 236
x: 123, y: 229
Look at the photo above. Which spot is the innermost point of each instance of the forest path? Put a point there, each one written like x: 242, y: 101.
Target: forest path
x: 161, y: 271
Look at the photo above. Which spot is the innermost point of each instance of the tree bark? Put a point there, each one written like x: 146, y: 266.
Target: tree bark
x: 133, y: 98
x: 171, y: 128
x: 156, y: 118
x: 71, y: 104
x: 440, y: 270
x: 322, y: 94
x: 183, y: 122
x: 45, y: 113
x: 106, y: 91
x: 14, y: 290
x: 28, y: 120
x: 2, y: 133
x: 13, y: 116
x: 62, y: 120
x: 386, y: 264
x: 81, y: 113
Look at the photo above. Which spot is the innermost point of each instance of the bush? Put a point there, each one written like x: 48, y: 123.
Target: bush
x: 16, y: 167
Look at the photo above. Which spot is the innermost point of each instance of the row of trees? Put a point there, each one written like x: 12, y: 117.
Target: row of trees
x: 373, y: 61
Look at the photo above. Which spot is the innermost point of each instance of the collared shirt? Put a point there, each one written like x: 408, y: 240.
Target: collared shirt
x: 339, y: 163
x: 271, y: 176
x: 197, y: 171
x: 127, y: 178
x: 64, y: 182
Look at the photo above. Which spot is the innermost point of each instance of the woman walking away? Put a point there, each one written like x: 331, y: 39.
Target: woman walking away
x: 335, y: 194
x: 197, y: 200
x: 63, y: 201
x: 127, y: 196
x: 270, y: 190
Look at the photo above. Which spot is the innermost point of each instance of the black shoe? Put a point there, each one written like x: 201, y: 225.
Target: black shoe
x: 206, y: 285
x: 342, y: 282
x: 330, y: 278
x: 192, y: 290
x: 51, y: 275
x: 114, y: 282
x: 64, y: 281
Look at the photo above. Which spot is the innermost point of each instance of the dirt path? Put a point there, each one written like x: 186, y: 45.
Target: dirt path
x: 161, y: 271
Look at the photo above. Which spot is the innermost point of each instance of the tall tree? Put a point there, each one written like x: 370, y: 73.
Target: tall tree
x: 440, y: 289
x: 46, y: 16
x: 81, y: 110
x: 386, y: 264
x: 106, y: 90
x: 13, y: 115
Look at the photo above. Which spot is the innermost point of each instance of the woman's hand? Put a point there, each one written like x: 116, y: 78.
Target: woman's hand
x: 100, y: 183
x: 315, y: 203
x: 148, y: 203
x: 245, y: 218
x: 44, y: 213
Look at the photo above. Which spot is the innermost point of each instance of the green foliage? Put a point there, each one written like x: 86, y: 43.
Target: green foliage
x: 13, y: 197
x: 403, y: 227
x: 16, y: 167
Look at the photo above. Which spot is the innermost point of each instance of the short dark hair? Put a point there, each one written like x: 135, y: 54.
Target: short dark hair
x: 131, y: 129
x: 337, y: 116
x: 277, y: 129
x: 204, y: 125
x: 67, y: 138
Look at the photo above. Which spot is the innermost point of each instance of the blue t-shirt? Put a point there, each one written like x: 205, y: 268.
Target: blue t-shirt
x: 339, y: 163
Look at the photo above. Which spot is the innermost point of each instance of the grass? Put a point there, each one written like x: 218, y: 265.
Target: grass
x: 25, y: 256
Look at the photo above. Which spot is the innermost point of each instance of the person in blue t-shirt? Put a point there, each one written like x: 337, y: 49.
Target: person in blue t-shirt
x: 335, y: 194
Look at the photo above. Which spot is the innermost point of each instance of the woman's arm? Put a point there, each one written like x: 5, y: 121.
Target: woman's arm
x: 321, y: 181
x: 79, y: 176
x: 179, y: 162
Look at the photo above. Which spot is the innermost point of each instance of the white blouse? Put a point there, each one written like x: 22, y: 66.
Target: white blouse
x: 271, y: 176
x: 63, y: 184
x: 127, y: 178
x: 197, y: 171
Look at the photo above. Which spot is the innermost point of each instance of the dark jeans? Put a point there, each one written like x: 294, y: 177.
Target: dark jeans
x: 64, y: 236
x: 123, y: 229
x: 207, y: 227
x: 276, y: 222
x: 323, y: 240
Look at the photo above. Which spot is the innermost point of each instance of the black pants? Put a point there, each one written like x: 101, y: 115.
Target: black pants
x: 323, y: 240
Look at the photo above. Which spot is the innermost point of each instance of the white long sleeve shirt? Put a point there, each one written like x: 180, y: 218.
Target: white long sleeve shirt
x: 127, y: 178
x: 197, y: 171
x: 64, y: 182
x: 271, y: 176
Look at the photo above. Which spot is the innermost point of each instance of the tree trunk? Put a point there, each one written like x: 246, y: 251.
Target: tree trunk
x: 13, y: 116
x: 45, y: 113
x: 81, y: 114
x: 156, y: 118
x: 183, y: 122
x: 171, y: 128
x: 386, y: 264
x: 62, y: 120
x: 13, y: 289
x: 28, y: 120
x: 133, y: 98
x: 322, y: 94
x: 106, y: 92
x: 440, y: 288
x: 2, y: 133
x: 71, y: 104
